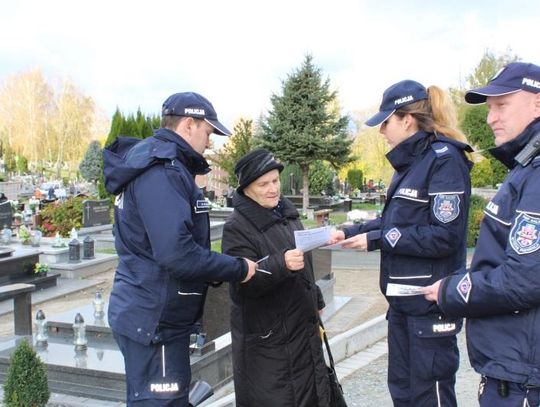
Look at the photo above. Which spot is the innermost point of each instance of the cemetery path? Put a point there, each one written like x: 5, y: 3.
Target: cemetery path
x: 64, y: 303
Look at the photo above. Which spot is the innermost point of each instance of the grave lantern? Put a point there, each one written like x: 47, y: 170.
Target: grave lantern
x: 88, y: 248
x: 99, y: 305
x: 79, y: 333
x: 36, y: 238
x: 58, y: 241
x: 6, y: 235
x: 74, y: 251
x: 41, y: 328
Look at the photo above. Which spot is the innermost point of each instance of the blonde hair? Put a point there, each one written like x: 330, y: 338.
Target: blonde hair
x: 435, y: 114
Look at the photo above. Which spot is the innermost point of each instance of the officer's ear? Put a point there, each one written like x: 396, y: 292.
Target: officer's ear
x: 537, y: 106
x: 410, y: 122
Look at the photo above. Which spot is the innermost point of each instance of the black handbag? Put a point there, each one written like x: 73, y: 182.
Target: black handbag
x: 337, y: 399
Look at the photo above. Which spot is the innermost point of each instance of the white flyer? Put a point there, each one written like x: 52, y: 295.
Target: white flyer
x: 339, y: 245
x: 403, y: 290
x: 310, y: 239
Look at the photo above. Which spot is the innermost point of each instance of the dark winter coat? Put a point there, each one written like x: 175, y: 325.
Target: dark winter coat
x: 162, y: 237
x: 421, y: 233
x: 277, y: 352
x: 500, y: 293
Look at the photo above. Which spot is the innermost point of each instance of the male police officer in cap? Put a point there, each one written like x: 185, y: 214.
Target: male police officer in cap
x: 500, y: 293
x: 163, y: 243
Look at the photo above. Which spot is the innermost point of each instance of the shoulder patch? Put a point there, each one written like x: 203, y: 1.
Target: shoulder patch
x: 446, y: 207
x: 441, y: 149
x: 524, y: 237
x: 201, y: 206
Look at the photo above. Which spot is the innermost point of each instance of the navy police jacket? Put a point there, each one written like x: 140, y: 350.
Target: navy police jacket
x: 500, y: 293
x: 162, y: 237
x: 423, y: 227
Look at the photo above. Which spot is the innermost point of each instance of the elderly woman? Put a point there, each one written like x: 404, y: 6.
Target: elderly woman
x: 277, y: 353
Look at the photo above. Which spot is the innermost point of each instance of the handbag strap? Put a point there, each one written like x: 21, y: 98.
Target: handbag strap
x: 328, y: 351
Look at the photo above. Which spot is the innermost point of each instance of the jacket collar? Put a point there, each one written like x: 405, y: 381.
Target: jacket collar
x: 404, y: 154
x: 506, y: 152
x: 191, y: 159
x: 263, y: 218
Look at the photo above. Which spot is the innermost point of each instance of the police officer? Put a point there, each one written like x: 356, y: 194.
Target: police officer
x: 500, y: 293
x: 162, y: 239
x: 420, y: 235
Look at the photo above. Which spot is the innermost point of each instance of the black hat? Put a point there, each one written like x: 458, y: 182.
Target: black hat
x: 192, y: 104
x: 253, y: 165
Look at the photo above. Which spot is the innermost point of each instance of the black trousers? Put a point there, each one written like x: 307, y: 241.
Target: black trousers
x: 515, y: 395
x: 158, y: 374
x: 422, y: 361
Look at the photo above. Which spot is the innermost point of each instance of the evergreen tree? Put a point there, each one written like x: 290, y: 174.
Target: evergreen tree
x: 116, y: 123
x: 355, y: 178
x: 320, y: 179
x: 240, y: 143
x: 291, y: 178
x: 90, y: 166
x: 26, y: 382
x: 138, y: 126
x: 304, y: 124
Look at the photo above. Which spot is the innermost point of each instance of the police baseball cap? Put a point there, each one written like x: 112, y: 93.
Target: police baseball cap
x: 398, y: 95
x: 192, y: 104
x: 512, y: 78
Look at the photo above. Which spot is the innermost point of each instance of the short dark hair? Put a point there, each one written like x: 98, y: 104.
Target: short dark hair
x: 171, y: 122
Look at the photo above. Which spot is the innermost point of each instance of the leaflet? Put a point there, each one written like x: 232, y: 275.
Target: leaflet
x: 310, y: 239
x: 339, y: 245
x: 403, y: 290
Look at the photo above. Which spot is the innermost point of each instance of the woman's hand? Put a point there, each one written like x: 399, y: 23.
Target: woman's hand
x: 431, y: 292
x: 294, y: 259
x: 358, y: 242
x: 336, y: 236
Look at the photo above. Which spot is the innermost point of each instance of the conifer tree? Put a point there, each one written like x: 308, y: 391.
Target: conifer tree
x: 305, y: 125
x: 90, y: 166
x: 26, y: 382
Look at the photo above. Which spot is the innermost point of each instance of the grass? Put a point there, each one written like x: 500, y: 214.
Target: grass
x: 106, y: 251
x: 215, y: 246
x: 367, y: 206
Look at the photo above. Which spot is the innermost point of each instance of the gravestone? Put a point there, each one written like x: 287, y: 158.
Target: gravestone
x: 6, y: 215
x: 216, y: 316
x: 96, y: 213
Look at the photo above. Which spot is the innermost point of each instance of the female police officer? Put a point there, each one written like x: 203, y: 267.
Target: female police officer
x: 421, y: 238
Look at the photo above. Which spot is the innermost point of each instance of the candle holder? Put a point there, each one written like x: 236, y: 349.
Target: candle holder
x: 41, y: 329
x: 79, y: 333
x: 99, y: 305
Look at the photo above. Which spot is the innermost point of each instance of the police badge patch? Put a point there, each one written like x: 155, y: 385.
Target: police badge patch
x: 524, y: 237
x: 392, y: 236
x: 464, y: 287
x: 446, y: 207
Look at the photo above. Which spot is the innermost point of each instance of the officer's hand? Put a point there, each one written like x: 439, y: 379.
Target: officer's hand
x: 336, y: 236
x: 356, y: 242
x: 294, y: 259
x: 431, y: 292
x: 252, y: 266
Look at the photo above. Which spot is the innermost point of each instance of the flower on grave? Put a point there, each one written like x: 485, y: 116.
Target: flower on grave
x: 41, y: 268
x: 24, y: 235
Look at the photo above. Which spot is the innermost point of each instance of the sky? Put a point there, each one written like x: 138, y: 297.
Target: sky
x: 237, y: 53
